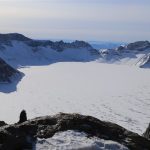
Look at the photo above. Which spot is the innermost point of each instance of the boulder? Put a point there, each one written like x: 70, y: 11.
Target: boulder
x: 2, y: 123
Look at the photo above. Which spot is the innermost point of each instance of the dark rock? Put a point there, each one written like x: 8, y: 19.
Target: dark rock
x: 13, y: 137
x: 2, y: 123
x: 37, y: 43
x: 146, y: 134
x: 7, y: 72
x: 59, y: 45
x: 120, y: 48
x: 23, y: 116
x: 13, y: 36
x: 6, y: 39
x: 140, y: 45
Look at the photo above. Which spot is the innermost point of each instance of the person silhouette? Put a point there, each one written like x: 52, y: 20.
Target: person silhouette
x: 23, y: 116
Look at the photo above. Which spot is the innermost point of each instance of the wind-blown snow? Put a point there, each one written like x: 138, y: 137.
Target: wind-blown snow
x: 73, y: 140
x: 120, y: 94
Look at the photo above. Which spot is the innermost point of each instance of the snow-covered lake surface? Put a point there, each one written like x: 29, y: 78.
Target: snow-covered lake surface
x: 73, y: 140
x: 116, y: 93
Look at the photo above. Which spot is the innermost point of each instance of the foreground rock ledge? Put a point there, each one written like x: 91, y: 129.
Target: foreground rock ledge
x: 23, y: 136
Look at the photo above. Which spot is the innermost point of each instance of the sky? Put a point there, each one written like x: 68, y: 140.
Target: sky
x: 94, y: 20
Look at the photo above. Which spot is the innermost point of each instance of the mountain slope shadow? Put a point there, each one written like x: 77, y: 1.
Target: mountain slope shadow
x: 12, y: 86
x: 20, y: 51
x: 9, y: 77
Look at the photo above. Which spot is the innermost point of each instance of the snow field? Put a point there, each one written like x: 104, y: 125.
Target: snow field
x: 116, y: 93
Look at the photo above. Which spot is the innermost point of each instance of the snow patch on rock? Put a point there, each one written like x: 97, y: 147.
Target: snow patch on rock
x: 74, y: 140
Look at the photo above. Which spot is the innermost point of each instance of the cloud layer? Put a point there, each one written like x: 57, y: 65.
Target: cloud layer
x: 111, y: 20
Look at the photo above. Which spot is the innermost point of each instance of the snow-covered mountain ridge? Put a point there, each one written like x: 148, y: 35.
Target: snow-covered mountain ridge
x: 136, y: 53
x: 20, y: 51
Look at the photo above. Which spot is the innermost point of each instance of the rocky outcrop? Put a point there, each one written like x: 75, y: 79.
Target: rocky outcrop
x: 136, y: 53
x: 6, y: 39
x: 23, y: 116
x: 13, y: 36
x: 7, y: 73
x: 59, y: 45
x: 147, y: 133
x: 2, y: 123
x: 21, y: 136
x: 145, y: 61
x: 139, y: 45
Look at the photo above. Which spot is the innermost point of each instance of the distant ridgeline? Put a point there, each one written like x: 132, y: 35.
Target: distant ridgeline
x: 137, y: 53
x: 7, y: 39
x: 20, y: 51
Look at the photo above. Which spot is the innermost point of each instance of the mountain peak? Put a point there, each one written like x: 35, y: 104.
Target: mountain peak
x: 139, y: 45
x: 13, y: 36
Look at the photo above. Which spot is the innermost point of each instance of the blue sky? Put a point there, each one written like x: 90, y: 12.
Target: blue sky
x: 100, y: 20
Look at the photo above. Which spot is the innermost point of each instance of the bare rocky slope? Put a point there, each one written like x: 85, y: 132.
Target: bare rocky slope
x: 23, y: 135
x: 7, y: 73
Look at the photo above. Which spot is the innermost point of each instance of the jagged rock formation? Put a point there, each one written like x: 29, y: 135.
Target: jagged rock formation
x: 13, y: 36
x: 19, y: 50
x: 7, y: 73
x: 147, y: 133
x: 59, y: 45
x: 2, y: 123
x: 140, y: 45
x: 7, y: 39
x: 21, y: 136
